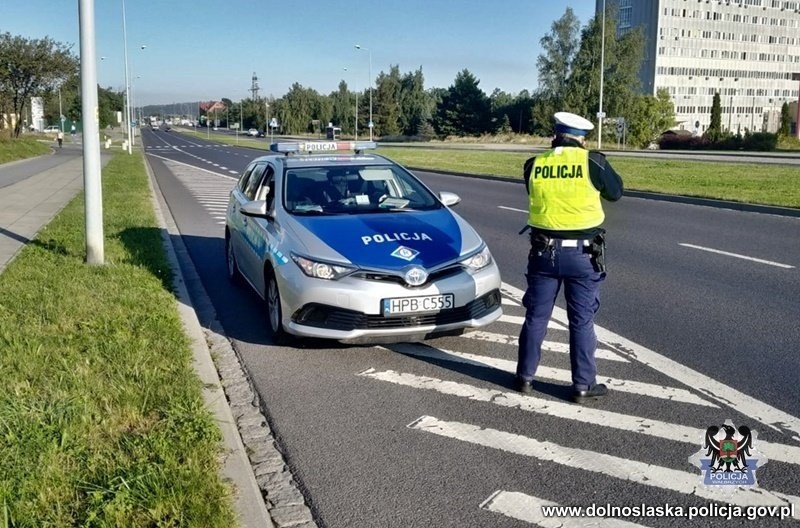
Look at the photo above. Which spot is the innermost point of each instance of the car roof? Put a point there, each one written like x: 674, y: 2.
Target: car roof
x: 331, y: 159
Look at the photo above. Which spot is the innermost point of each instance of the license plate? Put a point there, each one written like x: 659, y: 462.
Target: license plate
x: 412, y: 305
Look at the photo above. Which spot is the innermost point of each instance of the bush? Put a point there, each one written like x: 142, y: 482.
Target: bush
x: 760, y: 141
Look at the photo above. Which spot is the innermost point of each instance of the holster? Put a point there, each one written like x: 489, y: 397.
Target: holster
x: 597, y: 249
x: 540, y: 243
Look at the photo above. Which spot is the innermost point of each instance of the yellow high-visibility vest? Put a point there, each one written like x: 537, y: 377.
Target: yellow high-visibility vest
x: 562, y: 197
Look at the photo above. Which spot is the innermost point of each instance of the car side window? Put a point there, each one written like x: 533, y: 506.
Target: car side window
x: 255, y: 181
x: 242, y: 185
x: 267, y: 190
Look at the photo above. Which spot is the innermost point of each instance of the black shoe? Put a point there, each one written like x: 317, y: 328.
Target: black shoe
x: 597, y: 391
x: 523, y: 386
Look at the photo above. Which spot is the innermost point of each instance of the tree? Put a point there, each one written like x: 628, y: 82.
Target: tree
x: 28, y: 67
x: 297, y: 109
x: 786, y: 121
x: 387, y: 103
x: 714, y: 130
x: 343, y: 108
x: 649, y: 117
x: 555, y: 68
x: 555, y: 64
x: 465, y: 109
x: 416, y: 105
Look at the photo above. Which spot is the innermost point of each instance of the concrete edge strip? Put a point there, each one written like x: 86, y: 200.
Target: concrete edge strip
x: 250, y: 504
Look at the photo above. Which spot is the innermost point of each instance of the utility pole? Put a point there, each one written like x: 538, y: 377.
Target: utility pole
x: 93, y: 191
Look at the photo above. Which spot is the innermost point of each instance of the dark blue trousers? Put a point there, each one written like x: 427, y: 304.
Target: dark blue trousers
x: 572, y: 267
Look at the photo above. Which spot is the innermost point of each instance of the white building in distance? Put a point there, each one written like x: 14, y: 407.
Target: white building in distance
x: 747, y: 50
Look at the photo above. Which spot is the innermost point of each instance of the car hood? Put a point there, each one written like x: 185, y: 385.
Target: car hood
x: 388, y: 240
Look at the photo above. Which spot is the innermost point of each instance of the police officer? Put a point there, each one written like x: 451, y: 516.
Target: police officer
x: 565, y: 185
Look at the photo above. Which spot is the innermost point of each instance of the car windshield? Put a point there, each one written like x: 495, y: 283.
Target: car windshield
x: 354, y: 189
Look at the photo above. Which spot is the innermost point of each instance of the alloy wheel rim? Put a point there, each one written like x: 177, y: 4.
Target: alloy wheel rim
x: 274, y: 306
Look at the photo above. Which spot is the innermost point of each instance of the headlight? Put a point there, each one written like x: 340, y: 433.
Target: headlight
x: 479, y: 260
x: 321, y: 270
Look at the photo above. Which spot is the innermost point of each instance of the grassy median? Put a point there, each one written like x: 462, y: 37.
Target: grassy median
x: 740, y: 182
x: 101, y: 414
x: 754, y: 183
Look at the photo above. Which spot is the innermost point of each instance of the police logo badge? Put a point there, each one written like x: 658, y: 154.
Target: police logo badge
x: 728, y: 457
x: 405, y: 253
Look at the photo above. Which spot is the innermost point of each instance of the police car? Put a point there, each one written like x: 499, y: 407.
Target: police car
x: 351, y: 246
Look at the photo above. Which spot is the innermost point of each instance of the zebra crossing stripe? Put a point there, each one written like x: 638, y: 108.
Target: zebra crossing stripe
x: 584, y: 414
x: 515, y: 319
x: 604, y: 464
x: 747, y: 405
x: 529, y: 509
x: 633, y: 387
x: 552, y: 346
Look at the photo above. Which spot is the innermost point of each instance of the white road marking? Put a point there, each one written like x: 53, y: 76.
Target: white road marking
x: 192, y: 166
x: 747, y: 405
x: 529, y: 509
x: 512, y: 209
x: 609, y: 465
x: 583, y: 414
x: 509, y: 302
x: 737, y: 255
x: 552, y: 346
x: 517, y: 320
x: 504, y: 365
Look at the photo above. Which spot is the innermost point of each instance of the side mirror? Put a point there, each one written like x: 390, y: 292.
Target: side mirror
x: 256, y: 208
x: 449, y: 199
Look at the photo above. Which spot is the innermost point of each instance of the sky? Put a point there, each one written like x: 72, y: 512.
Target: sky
x: 206, y: 50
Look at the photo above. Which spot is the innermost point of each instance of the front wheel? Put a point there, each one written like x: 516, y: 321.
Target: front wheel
x: 274, y: 312
x: 234, y: 275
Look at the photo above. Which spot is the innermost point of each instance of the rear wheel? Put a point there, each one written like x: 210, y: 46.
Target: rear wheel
x: 234, y: 274
x: 274, y: 313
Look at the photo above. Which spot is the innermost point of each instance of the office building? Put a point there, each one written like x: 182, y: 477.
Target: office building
x: 747, y: 50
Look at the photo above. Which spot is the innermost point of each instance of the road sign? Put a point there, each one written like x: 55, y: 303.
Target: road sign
x: 273, y: 123
x: 601, y: 115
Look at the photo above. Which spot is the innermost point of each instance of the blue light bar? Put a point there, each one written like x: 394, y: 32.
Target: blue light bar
x: 288, y: 147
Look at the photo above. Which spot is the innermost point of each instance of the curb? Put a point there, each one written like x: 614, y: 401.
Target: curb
x: 266, y: 495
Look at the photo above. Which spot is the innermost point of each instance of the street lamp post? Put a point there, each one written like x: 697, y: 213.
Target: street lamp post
x: 600, y: 114
x: 127, y: 81
x: 370, y: 124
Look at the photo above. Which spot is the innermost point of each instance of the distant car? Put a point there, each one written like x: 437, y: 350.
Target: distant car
x: 252, y: 132
x: 353, y: 247
x: 52, y: 129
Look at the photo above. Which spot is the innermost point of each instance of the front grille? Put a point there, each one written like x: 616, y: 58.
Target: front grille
x: 398, y: 279
x: 331, y: 317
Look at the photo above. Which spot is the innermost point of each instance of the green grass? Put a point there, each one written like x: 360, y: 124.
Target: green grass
x: 741, y: 182
x: 102, y: 420
x: 764, y: 184
x: 20, y: 148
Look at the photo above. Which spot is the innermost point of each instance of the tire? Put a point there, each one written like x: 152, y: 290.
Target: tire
x: 232, y: 267
x: 272, y: 297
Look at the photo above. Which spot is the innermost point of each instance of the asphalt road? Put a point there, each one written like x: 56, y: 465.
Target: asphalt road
x: 698, y: 325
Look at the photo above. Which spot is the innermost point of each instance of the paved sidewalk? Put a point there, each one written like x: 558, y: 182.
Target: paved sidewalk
x: 32, y: 193
x: 28, y: 205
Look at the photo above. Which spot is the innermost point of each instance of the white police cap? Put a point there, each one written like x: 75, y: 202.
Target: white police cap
x: 569, y: 123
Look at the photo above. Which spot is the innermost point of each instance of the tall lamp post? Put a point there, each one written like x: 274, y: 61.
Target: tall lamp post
x: 370, y: 124
x: 127, y: 81
x: 600, y: 113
